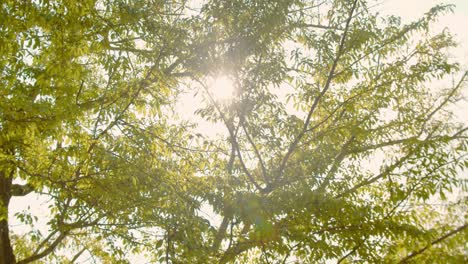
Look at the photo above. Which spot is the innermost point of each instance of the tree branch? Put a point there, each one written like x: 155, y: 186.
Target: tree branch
x: 257, y: 153
x: 21, y: 190
x: 221, y: 231
x: 349, y: 253
x: 322, y: 93
x: 440, y: 239
x: 449, y: 96
x: 46, y: 251
x: 306, y: 25
x: 388, y: 170
x: 77, y: 255
x: 336, y: 164
x: 232, y: 135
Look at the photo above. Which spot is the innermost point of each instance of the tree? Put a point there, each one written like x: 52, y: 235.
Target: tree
x: 77, y: 76
x: 335, y: 142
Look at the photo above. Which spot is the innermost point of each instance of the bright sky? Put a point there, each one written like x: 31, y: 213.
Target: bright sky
x: 408, y: 9
x: 456, y: 22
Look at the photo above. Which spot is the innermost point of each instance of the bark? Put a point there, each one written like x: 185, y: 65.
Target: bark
x: 6, y: 250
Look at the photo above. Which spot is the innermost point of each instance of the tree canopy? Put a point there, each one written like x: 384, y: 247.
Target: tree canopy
x: 335, y: 146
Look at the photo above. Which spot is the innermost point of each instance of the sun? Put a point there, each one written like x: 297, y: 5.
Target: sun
x: 222, y: 88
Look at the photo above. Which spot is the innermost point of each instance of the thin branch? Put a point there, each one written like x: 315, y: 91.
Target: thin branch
x: 306, y: 25
x: 388, y: 170
x: 349, y: 253
x: 449, y: 96
x: 46, y: 251
x: 167, y: 142
x: 232, y: 135
x: 336, y: 164
x: 44, y: 242
x: 308, y: 7
x: 322, y: 93
x: 440, y: 239
x: 341, y: 105
x: 77, y: 255
x: 257, y: 153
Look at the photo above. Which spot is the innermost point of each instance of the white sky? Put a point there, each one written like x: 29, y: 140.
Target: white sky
x: 456, y: 22
x: 408, y: 9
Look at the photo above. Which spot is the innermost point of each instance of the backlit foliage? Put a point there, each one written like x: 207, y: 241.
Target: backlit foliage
x: 335, y: 144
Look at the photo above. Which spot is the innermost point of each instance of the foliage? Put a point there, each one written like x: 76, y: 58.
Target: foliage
x: 336, y: 145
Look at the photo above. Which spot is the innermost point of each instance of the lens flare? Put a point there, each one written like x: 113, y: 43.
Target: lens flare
x: 222, y: 88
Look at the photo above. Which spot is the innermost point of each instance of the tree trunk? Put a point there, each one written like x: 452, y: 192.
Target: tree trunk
x: 6, y: 251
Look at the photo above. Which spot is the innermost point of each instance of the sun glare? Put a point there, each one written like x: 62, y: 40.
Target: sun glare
x: 222, y: 88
